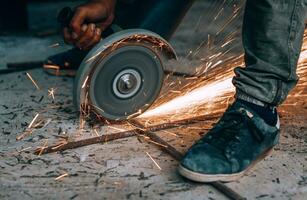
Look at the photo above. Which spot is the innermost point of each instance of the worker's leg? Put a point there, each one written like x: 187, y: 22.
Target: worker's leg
x: 272, y: 39
x: 249, y: 129
x: 159, y: 16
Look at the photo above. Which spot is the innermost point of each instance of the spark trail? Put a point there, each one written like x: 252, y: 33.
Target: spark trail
x: 213, y: 94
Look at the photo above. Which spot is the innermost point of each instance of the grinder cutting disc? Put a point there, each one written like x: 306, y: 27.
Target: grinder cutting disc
x: 122, y: 76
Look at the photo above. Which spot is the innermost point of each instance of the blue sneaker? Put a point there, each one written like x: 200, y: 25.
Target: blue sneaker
x: 238, y: 141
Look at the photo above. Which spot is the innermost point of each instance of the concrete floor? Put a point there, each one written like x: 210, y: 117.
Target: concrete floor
x: 119, y: 169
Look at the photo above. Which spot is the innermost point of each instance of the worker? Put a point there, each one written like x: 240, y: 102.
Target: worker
x: 249, y: 129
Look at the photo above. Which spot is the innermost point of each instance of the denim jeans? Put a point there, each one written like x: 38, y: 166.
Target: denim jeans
x: 159, y: 16
x: 272, y: 39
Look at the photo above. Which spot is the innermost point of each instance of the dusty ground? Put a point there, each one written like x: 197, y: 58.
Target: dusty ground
x: 119, y: 169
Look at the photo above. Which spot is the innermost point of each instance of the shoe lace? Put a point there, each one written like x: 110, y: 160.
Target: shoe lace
x: 226, y: 136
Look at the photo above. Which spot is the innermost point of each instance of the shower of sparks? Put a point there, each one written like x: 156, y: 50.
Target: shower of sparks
x: 35, y: 84
x: 207, y: 94
x: 212, y: 94
x: 151, y: 158
x: 211, y: 90
x: 61, y: 176
x: 198, y: 96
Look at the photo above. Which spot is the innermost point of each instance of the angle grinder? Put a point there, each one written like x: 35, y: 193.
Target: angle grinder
x: 123, y: 74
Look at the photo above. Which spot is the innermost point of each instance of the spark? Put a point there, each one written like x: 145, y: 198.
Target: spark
x: 217, y: 63
x: 81, y: 123
x: 228, y: 42
x: 48, y: 66
x: 55, y: 67
x: 43, y: 147
x: 24, y: 149
x: 35, y: 84
x: 55, y: 106
x: 218, y: 14
x: 98, y: 108
x: 61, y: 176
x: 134, y: 114
x: 33, y: 120
x: 93, y: 57
x: 51, y: 93
x: 96, y: 132
x: 153, y: 161
x: 54, y: 45
x: 115, y: 128
x: 47, y: 122
x: 24, y: 134
x: 169, y: 132
x: 37, y: 125
x: 174, y: 91
x: 201, y: 95
x: 231, y: 19
x: 85, y: 81
x: 60, y: 145
x: 151, y: 141
x: 156, y: 143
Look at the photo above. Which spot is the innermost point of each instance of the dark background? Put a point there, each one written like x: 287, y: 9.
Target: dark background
x: 31, y: 15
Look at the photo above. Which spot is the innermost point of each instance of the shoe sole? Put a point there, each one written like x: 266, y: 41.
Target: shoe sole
x: 56, y: 71
x: 206, y: 178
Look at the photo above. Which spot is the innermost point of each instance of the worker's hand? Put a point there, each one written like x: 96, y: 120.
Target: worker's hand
x: 89, y: 21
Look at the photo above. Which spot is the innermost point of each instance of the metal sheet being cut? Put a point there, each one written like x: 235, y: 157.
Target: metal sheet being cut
x: 123, y: 75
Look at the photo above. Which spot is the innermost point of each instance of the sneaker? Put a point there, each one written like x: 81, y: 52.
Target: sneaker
x: 66, y: 63
x: 238, y: 141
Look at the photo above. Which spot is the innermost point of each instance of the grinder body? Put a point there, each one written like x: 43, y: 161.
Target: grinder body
x: 122, y: 75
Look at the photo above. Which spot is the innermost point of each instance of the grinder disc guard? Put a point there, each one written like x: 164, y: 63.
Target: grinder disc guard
x: 123, y: 75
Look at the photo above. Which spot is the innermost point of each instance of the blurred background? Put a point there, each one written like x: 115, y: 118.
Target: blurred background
x: 35, y: 16
x: 28, y: 28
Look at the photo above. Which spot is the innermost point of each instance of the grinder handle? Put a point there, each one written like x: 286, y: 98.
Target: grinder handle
x: 65, y: 15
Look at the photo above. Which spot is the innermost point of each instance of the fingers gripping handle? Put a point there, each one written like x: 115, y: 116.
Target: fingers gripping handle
x: 66, y: 14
